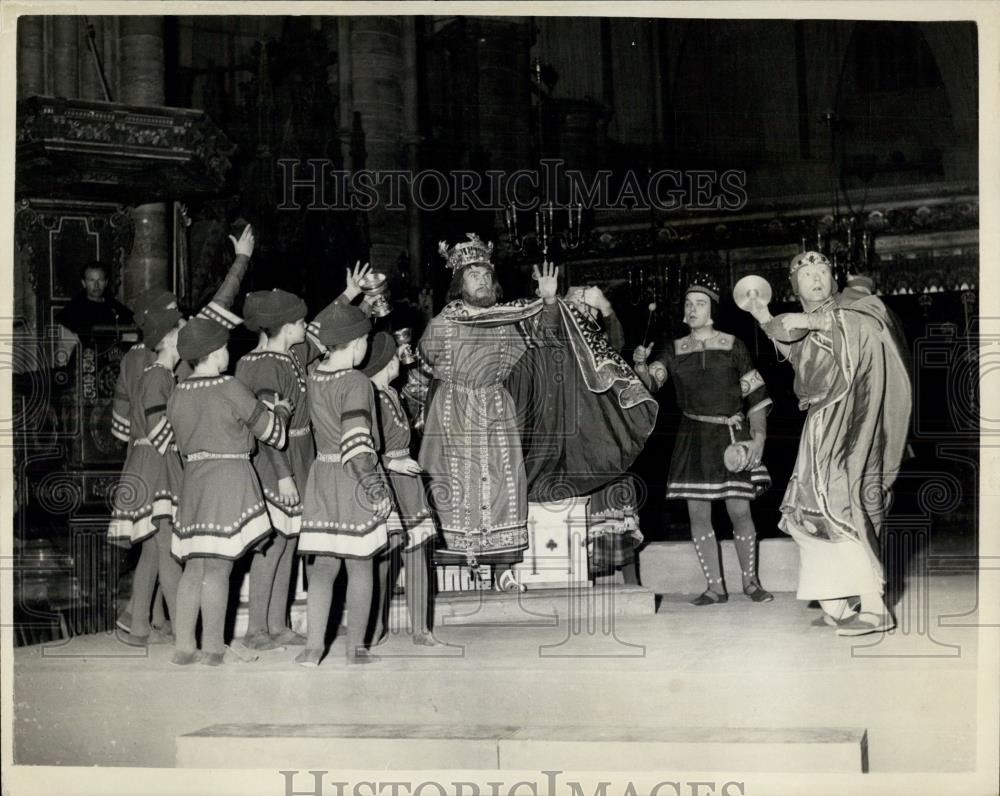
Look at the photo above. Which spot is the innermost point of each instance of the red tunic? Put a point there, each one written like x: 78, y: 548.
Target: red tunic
x: 150, y: 483
x: 714, y: 380
x: 274, y: 376
x: 222, y: 511
x: 411, y: 515
x: 345, y: 482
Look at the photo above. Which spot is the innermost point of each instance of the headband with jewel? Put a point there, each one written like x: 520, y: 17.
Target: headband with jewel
x: 807, y: 258
x: 703, y: 283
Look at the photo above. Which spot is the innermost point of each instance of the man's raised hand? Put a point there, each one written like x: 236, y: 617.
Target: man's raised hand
x: 548, y: 281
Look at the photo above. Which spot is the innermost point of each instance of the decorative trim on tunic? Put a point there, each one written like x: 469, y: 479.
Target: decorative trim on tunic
x: 216, y: 312
x: 209, y: 540
x: 195, y: 382
x: 759, y: 480
x: 333, y: 539
x: 120, y: 426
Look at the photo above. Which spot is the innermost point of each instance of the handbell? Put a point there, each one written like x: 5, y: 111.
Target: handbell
x: 404, y: 350
x: 749, y: 289
x: 375, y: 286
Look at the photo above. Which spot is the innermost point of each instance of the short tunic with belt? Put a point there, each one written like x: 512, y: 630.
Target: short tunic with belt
x: 345, y: 481
x: 411, y: 515
x: 273, y: 376
x: 222, y: 510
x: 149, y: 487
x: 714, y: 380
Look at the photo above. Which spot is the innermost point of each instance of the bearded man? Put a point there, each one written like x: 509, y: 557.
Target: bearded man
x: 524, y: 402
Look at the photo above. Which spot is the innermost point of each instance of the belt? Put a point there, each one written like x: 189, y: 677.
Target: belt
x: 142, y: 443
x: 735, y: 420
x: 328, y: 457
x: 397, y: 453
x: 299, y: 432
x: 471, y: 390
x: 200, y: 456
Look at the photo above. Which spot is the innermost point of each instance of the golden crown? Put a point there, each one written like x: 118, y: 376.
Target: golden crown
x: 470, y: 252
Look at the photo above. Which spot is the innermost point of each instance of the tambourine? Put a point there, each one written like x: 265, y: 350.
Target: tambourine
x: 737, y: 457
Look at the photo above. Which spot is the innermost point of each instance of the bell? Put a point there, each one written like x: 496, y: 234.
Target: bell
x: 749, y: 289
x: 404, y: 350
x: 375, y: 286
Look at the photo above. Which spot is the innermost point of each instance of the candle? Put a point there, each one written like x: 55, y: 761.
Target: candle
x: 579, y: 215
x: 569, y: 212
x: 538, y: 230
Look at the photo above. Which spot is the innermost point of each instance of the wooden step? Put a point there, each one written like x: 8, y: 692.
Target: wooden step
x: 534, y: 607
x: 330, y: 747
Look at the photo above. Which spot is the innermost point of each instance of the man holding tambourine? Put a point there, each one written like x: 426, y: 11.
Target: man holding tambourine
x: 717, y: 455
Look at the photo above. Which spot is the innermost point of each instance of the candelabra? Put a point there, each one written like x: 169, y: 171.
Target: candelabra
x: 837, y: 238
x: 546, y: 235
x: 648, y: 286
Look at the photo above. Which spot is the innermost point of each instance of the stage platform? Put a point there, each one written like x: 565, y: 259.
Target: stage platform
x: 735, y: 668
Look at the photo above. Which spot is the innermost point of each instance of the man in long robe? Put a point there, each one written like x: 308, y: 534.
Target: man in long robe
x: 473, y: 428
x: 851, y: 377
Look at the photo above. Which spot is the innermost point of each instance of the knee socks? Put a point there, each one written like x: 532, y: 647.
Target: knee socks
x: 705, y: 543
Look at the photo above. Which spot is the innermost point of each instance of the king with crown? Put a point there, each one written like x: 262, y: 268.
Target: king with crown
x: 471, y: 447
x: 497, y: 416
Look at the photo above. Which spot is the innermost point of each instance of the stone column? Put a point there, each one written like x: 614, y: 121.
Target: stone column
x: 30, y: 56
x: 141, y: 78
x: 65, y: 57
x: 377, y: 80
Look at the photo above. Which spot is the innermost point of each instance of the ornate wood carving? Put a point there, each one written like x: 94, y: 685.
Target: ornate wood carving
x: 89, y: 149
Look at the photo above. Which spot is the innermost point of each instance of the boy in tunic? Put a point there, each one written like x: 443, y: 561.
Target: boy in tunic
x: 273, y: 373
x: 146, y: 501
x: 222, y: 513
x: 346, y: 500
x: 139, y: 356
x: 410, y: 525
